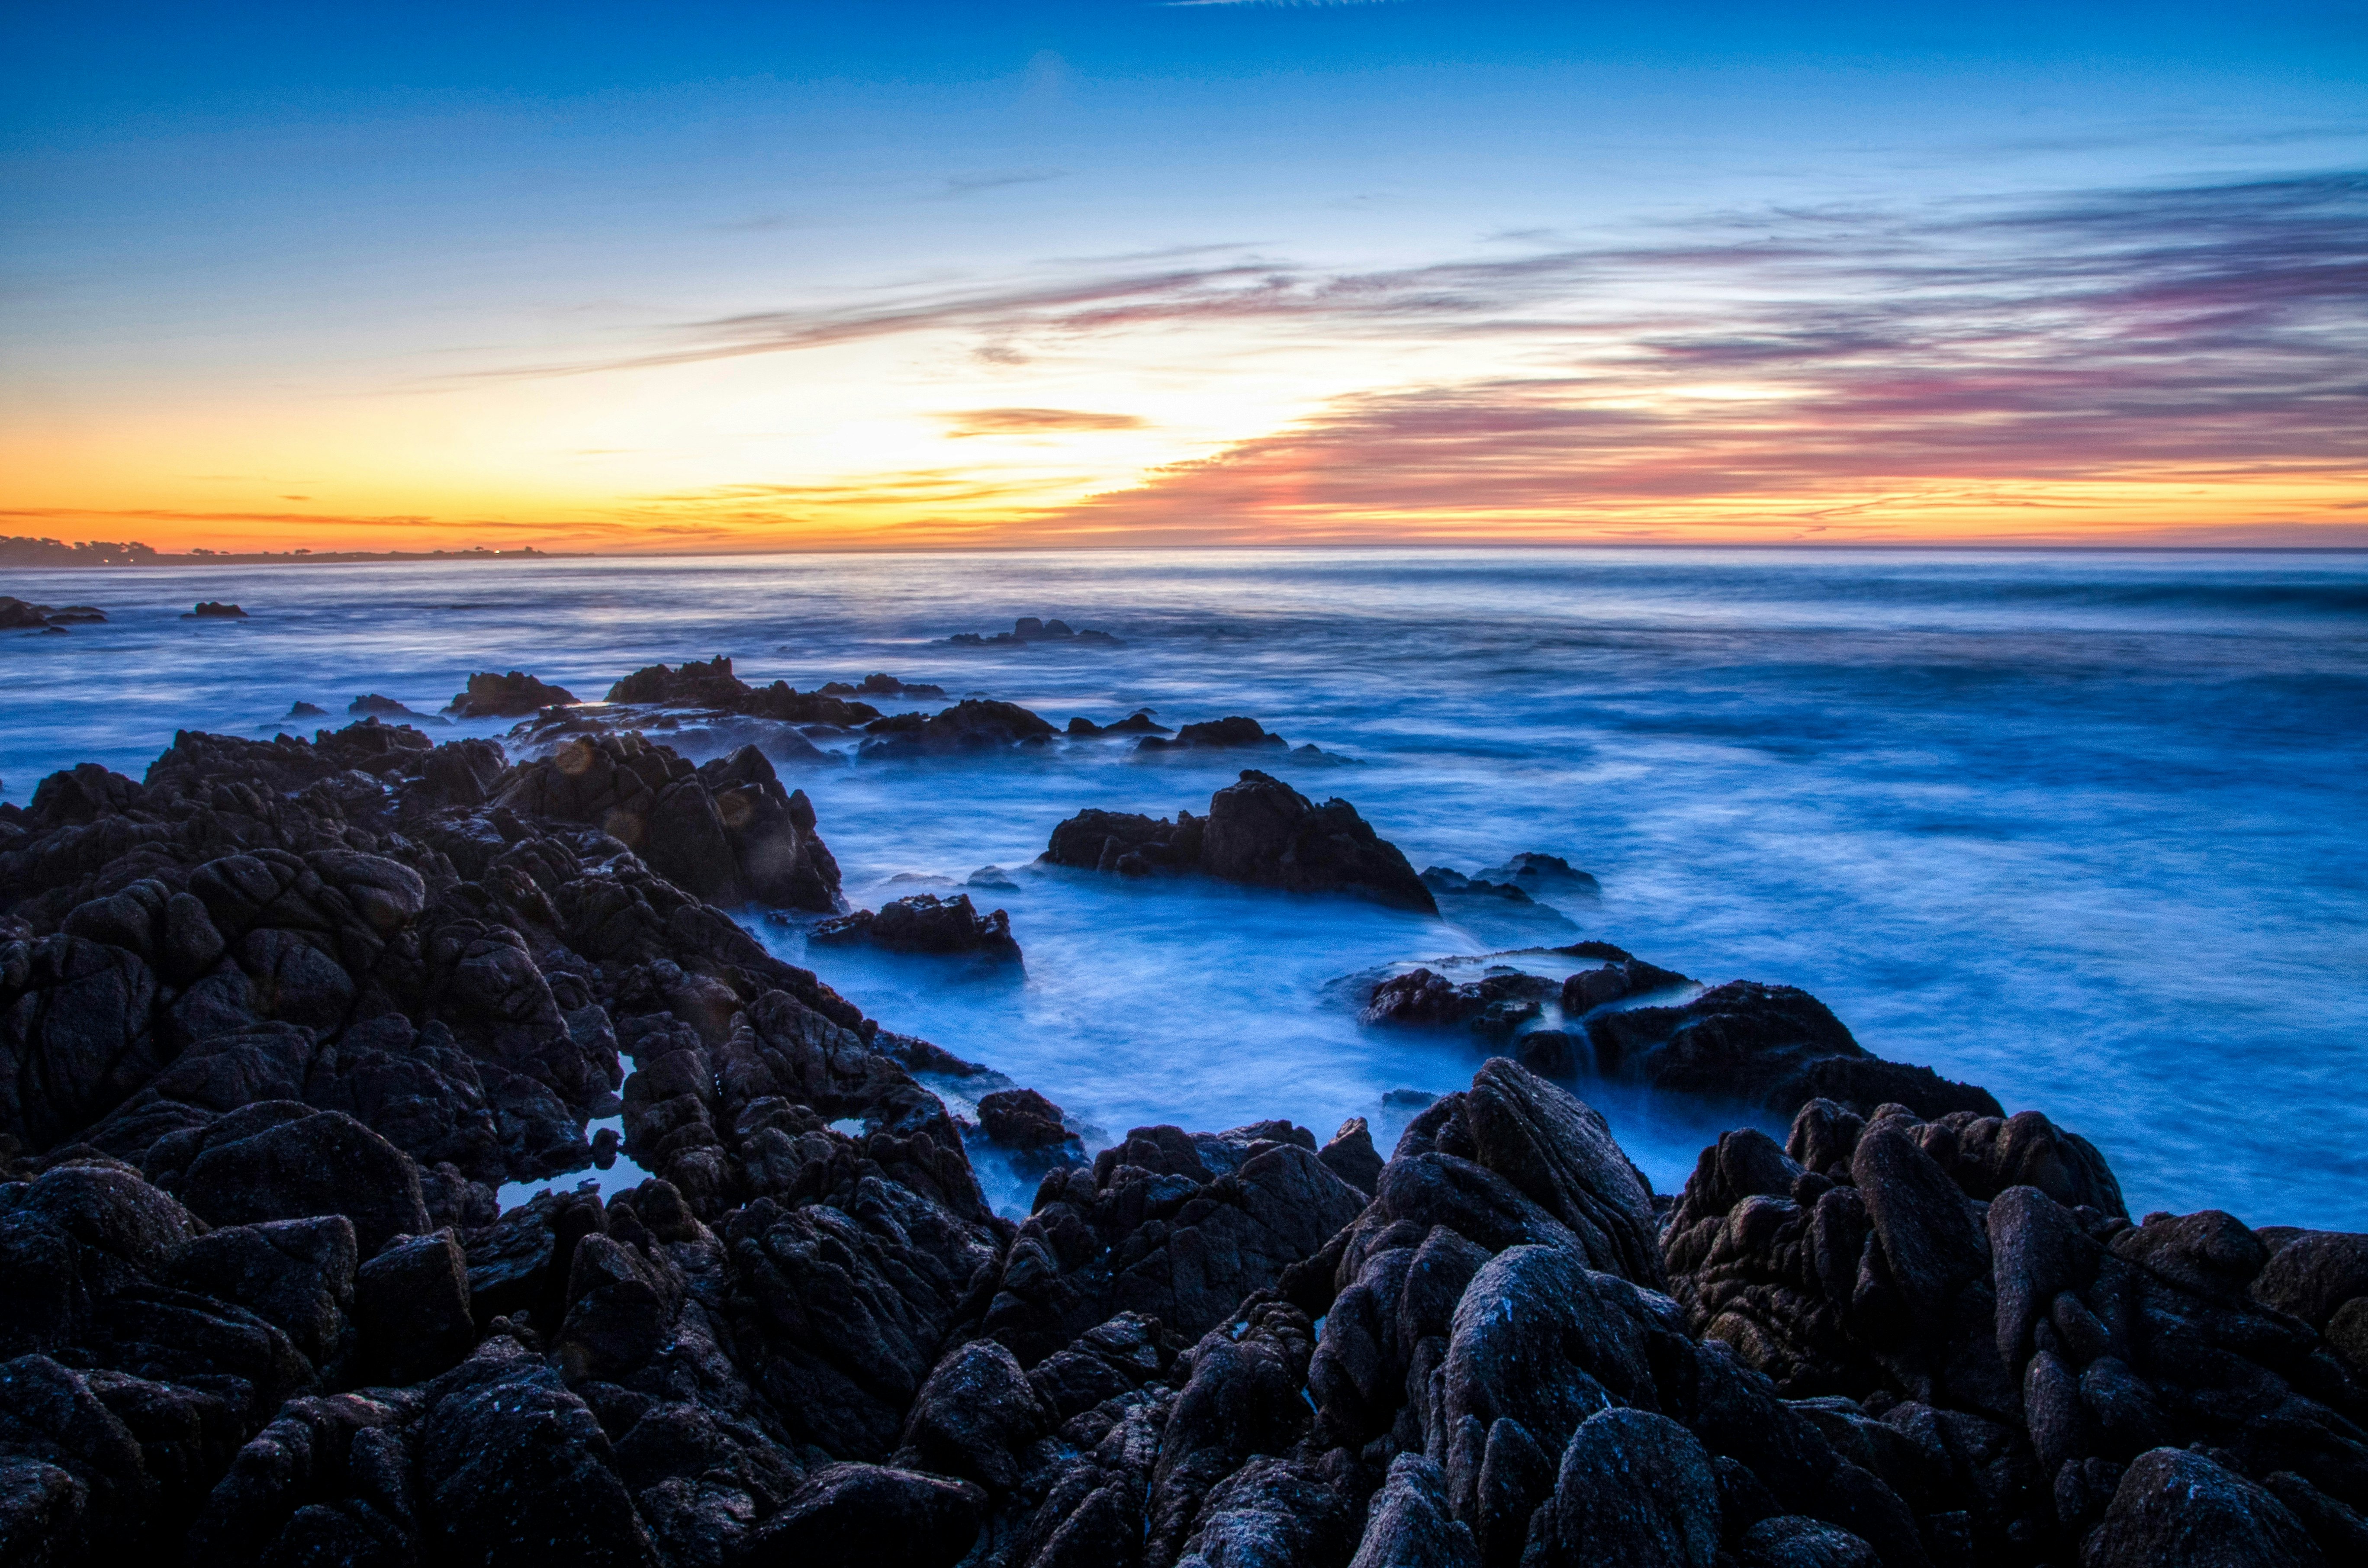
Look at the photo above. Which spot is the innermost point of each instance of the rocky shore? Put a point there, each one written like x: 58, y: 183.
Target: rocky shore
x: 279, y: 1020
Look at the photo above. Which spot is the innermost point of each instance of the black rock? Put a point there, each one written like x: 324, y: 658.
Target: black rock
x: 1021, y: 1118
x: 1236, y: 734
x: 864, y: 1513
x: 213, y: 609
x: 1542, y: 876
x: 1139, y: 722
x: 972, y: 725
x: 412, y: 1309
x: 1773, y: 1044
x: 881, y: 686
x: 2175, y: 1506
x: 383, y: 707
x: 1258, y: 830
x: 924, y: 922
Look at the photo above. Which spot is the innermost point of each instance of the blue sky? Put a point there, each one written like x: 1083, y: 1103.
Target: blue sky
x: 354, y: 249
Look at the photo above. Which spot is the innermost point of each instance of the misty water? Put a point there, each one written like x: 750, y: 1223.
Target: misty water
x: 2086, y: 829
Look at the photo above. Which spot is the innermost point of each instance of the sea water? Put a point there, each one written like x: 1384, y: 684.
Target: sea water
x: 2085, y: 828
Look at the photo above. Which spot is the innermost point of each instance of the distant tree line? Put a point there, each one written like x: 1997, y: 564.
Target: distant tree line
x: 16, y: 551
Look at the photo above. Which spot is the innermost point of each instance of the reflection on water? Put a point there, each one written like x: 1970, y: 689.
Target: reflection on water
x: 2086, y: 829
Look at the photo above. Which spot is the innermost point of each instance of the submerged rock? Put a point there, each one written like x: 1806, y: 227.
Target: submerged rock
x: 1030, y: 631
x: 1139, y: 722
x: 17, y: 615
x: 1541, y: 876
x: 1258, y: 830
x: 881, y: 685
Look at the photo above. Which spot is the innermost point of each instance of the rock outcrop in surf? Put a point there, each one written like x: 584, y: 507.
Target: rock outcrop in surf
x: 1260, y: 831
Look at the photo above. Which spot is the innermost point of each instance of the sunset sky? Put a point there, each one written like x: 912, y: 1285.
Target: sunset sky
x: 731, y: 277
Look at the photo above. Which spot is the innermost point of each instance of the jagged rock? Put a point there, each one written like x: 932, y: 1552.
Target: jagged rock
x: 1789, y: 1541
x: 1030, y: 631
x: 713, y: 686
x: 1021, y: 1118
x: 215, y: 609
x: 1151, y: 1228
x: 728, y: 832
x: 880, y: 684
x: 1235, y: 733
x: 1139, y: 722
x: 381, y: 707
x: 1352, y: 1157
x: 973, y: 1417
x: 861, y: 1513
x: 1447, y: 882
x: 1543, y: 877
x: 1409, y: 1525
x: 1559, y: 1152
x: 412, y: 1310
x: 2178, y: 1508
x: 508, y: 697
x: 1493, y: 1005
x: 1258, y: 830
x: 513, y: 1466
x: 1772, y: 1044
x: 280, y: 1160
x: 924, y: 922
x: 1634, y: 1488
x: 295, y: 1274
x: 970, y: 726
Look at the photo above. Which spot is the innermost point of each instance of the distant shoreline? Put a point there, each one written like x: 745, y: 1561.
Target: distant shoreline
x: 397, y: 558
x: 309, y: 558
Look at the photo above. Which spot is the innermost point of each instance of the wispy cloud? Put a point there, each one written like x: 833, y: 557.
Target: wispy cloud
x: 1034, y: 422
x: 958, y: 186
x: 1832, y: 368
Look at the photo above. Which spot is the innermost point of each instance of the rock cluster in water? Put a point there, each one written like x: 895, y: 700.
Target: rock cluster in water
x: 1029, y: 632
x: 1260, y: 831
x: 17, y: 615
x: 1774, y: 1046
x: 277, y: 1019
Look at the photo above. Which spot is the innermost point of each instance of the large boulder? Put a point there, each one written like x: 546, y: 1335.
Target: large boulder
x: 924, y: 922
x: 1260, y: 831
x: 1775, y: 1045
x: 511, y: 695
x: 279, y: 1159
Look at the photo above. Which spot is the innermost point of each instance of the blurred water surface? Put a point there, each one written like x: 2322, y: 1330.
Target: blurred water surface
x: 2086, y: 829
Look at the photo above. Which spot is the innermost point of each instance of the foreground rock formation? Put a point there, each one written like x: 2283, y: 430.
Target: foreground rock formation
x: 1258, y: 830
x: 275, y: 1020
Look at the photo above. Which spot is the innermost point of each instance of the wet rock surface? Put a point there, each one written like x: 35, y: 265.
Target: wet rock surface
x: 492, y: 696
x: 713, y: 686
x: 924, y: 923
x: 1260, y: 831
x: 277, y: 1021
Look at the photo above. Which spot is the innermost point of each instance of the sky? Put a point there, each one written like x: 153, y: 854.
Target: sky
x: 707, y: 277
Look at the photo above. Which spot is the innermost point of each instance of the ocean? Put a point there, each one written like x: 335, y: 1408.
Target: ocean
x: 2087, y: 828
